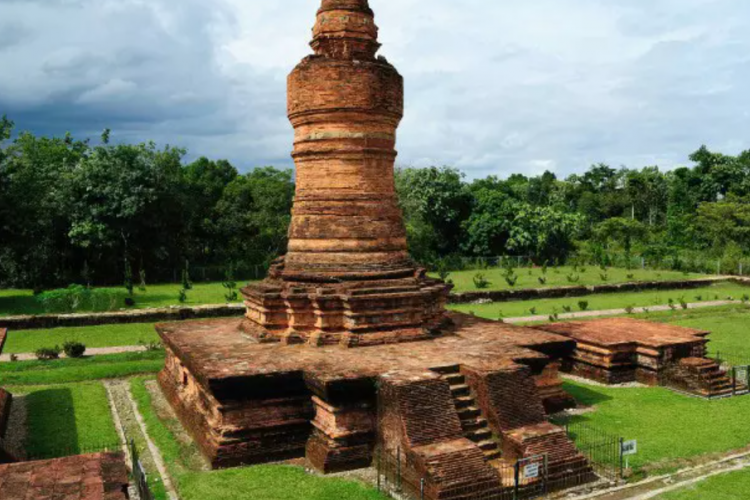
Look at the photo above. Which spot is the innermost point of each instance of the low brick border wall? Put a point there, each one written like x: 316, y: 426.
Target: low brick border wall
x: 579, y: 291
x: 48, y: 321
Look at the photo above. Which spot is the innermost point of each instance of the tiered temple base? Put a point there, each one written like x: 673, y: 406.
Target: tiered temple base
x: 622, y: 350
x: 247, y: 402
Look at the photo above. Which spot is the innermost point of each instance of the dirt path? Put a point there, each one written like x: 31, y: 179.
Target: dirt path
x: 132, y: 425
x: 654, y: 487
x: 619, y: 312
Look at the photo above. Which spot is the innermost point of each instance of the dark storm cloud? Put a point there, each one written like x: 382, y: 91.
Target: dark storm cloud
x: 493, y: 87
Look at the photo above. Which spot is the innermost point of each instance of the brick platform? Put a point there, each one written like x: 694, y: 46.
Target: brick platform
x: 87, y: 477
x: 619, y: 350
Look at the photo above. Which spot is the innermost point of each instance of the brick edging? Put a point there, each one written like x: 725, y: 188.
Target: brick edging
x: 578, y: 291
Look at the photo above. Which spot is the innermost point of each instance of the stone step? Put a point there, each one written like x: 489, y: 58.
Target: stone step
x: 446, y: 370
x: 463, y: 402
x: 455, y: 379
x: 473, y: 423
x: 487, y: 445
x: 490, y: 455
x: 468, y: 412
x: 479, y: 435
x: 460, y: 390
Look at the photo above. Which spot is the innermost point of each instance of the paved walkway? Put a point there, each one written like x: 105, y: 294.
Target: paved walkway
x: 618, y: 312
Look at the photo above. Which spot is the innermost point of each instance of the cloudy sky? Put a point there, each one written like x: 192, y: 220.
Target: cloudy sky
x: 493, y: 86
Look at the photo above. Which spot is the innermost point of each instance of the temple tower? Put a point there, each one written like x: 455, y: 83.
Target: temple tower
x: 347, y: 277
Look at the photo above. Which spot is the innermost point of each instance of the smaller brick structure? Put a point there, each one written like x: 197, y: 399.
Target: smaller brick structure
x: 3, y: 338
x: 102, y: 476
x: 621, y: 350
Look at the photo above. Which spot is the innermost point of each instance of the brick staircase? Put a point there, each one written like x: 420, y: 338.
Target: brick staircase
x: 474, y: 425
x: 704, y: 377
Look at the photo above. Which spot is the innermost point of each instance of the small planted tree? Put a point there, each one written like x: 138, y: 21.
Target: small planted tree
x: 480, y: 281
x: 74, y: 349
x: 142, y: 277
x: 187, y: 284
x: 230, y: 285
x: 583, y: 305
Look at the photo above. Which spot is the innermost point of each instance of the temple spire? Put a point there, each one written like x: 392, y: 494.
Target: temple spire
x: 345, y: 29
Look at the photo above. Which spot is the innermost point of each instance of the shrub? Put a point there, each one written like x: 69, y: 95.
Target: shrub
x: 631, y: 276
x: 745, y: 299
x: 630, y: 309
x: 683, y: 303
x: 533, y: 311
x: 187, y: 284
x: 182, y: 297
x: 151, y: 346
x: 48, y: 353
x: 231, y: 287
x: 583, y: 304
x: 13, y: 358
x: 553, y: 317
x: 671, y: 304
x: 604, y: 276
x: 74, y: 349
x: 699, y: 298
x: 77, y: 298
x: 573, y: 278
x: 542, y: 280
x: 567, y: 309
x: 481, y: 281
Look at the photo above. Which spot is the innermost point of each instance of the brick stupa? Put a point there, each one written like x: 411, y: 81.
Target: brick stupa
x: 347, y: 277
x: 347, y: 345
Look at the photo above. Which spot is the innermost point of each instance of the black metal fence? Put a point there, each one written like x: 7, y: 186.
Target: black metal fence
x: 139, y: 477
x: 603, y: 450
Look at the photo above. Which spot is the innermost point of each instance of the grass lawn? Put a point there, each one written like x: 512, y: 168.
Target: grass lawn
x: 529, y: 278
x: 732, y: 486
x: 269, y: 482
x: 68, y: 419
x: 14, y: 302
x: 669, y: 427
x: 603, y: 301
x: 64, y: 371
x: 23, y: 341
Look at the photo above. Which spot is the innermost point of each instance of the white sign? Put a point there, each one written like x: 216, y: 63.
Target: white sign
x: 629, y: 448
x: 531, y: 471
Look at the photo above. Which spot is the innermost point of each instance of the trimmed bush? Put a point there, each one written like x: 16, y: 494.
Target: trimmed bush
x: 74, y: 349
x: 48, y: 353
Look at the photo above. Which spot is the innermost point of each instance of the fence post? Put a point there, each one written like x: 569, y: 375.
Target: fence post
x: 421, y: 489
x: 622, y: 464
x: 546, y: 473
x: 380, y: 466
x: 734, y: 381
x: 516, y: 479
x: 398, y: 470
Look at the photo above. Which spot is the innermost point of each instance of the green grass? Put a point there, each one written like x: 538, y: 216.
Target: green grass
x: 66, y: 371
x: 529, y: 278
x: 15, y: 302
x: 67, y: 420
x: 670, y: 428
x: 24, y: 341
x: 269, y: 482
x: 602, y: 301
x: 731, y: 486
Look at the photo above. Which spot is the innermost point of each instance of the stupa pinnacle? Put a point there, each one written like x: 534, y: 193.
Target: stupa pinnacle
x: 347, y: 277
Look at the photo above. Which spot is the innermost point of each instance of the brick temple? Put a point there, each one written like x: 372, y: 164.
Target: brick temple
x: 347, y: 346
x: 622, y: 350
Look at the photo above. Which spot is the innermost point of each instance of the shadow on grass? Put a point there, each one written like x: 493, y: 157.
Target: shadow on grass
x: 586, y: 396
x: 52, y: 428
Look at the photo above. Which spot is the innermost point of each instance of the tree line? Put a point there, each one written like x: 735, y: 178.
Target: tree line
x: 71, y: 212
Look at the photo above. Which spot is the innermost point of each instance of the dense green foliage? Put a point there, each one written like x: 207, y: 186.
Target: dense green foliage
x: 114, y: 214
x: 110, y: 214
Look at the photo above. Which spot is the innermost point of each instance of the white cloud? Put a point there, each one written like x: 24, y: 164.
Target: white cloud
x: 493, y: 86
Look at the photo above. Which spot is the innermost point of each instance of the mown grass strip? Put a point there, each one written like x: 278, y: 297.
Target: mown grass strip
x: 65, y: 371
